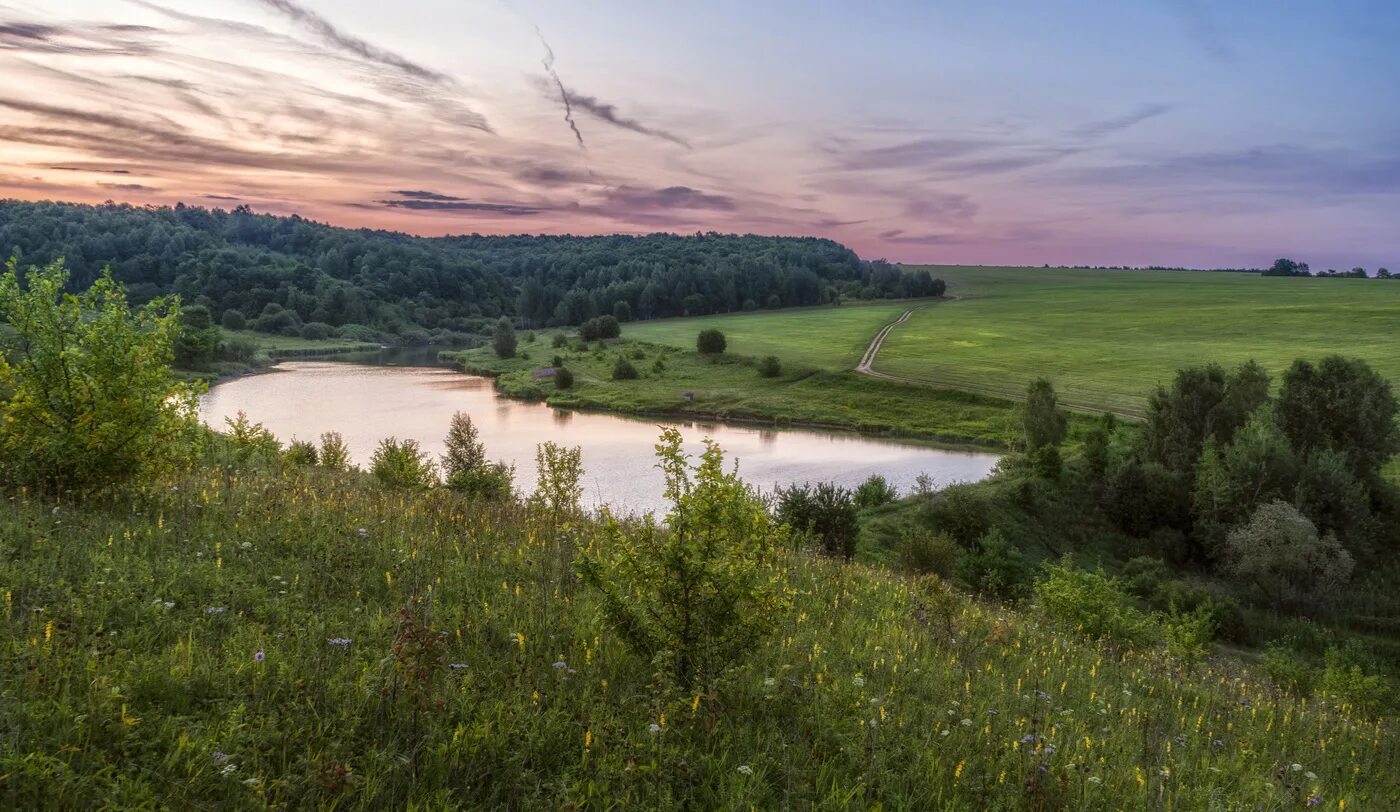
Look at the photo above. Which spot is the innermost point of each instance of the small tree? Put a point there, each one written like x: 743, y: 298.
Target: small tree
x: 559, y: 472
x: 700, y: 591
x: 234, y: 320
x: 875, y: 491
x: 465, y: 451
x: 300, y: 452
x: 92, y: 400
x: 710, y: 342
x: 198, y: 339
x: 1045, y: 426
x: 770, y: 366
x: 333, y: 454
x: 563, y: 378
x: 402, y: 464
x: 1340, y: 404
x: 1281, y: 554
x: 503, y: 338
x: 622, y: 311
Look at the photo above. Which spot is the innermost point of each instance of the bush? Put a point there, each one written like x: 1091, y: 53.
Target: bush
x: 92, y: 400
x: 770, y: 366
x: 961, y: 512
x: 1094, y: 603
x: 1281, y: 554
x: 465, y: 451
x: 1189, y: 634
x: 623, y: 370
x: 710, y: 342
x: 700, y: 591
x: 300, y: 452
x: 1287, y: 669
x: 237, y: 349
x: 234, y: 320
x: 994, y: 567
x: 503, y: 338
x: 563, y: 378
x: 1145, y: 575
x: 825, y: 513
x: 402, y: 464
x: 316, y: 331
x: 603, y: 327
x: 333, y: 454
x: 875, y: 491
x: 560, y: 340
x: 922, y: 552
x: 493, y: 481
x: 1345, y: 682
x: 250, y: 441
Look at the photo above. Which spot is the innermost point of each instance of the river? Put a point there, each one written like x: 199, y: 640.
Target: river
x: 369, y: 401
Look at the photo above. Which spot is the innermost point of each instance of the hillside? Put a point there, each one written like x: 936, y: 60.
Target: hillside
x: 307, y: 639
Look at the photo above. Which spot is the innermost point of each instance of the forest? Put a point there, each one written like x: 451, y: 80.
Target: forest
x: 292, y: 276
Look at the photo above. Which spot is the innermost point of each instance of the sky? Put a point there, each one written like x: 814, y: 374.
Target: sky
x: 1137, y: 132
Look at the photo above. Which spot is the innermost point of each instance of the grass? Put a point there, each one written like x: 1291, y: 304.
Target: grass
x: 1106, y: 338
x: 827, y: 338
x: 421, y: 651
x: 730, y: 387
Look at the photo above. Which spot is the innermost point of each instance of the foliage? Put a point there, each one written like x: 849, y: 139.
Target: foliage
x: 563, y: 378
x: 300, y: 452
x: 333, y: 454
x: 1342, y: 405
x: 874, y: 492
x: 1093, y: 603
x: 402, y: 464
x: 996, y: 568
x: 92, y: 402
x: 623, y: 370
x: 962, y: 512
x: 465, y: 451
x: 770, y: 366
x: 1189, y: 634
x: 1281, y: 554
x: 1203, y: 403
x: 559, y: 474
x: 701, y: 591
x: 1346, y: 682
x: 1287, y: 669
x: 1041, y: 419
x: 710, y: 342
x: 601, y: 327
x: 503, y: 338
x: 924, y: 552
x: 249, y: 441
x: 197, y: 340
x: 824, y: 512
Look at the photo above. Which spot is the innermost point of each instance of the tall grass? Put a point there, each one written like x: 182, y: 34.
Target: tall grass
x: 311, y: 640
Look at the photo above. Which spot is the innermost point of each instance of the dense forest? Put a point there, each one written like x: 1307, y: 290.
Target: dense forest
x: 292, y: 276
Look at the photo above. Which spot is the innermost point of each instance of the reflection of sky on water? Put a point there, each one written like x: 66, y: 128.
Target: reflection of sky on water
x: 366, y: 403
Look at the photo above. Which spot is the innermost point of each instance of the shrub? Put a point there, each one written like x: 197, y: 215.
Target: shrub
x: 92, y: 400
x: 659, y: 365
x: 700, y: 591
x: 1189, y: 634
x: 1145, y: 575
x: 710, y: 342
x: 237, y: 349
x: 1094, y: 603
x: 961, y: 512
x: 465, y: 451
x: 402, y: 464
x: 560, y: 340
x: 317, y: 331
x: 300, y: 452
x: 333, y: 454
x: 494, y: 481
x: 1345, y: 682
x: 920, y: 551
x: 563, y: 378
x: 503, y: 338
x: 770, y: 366
x: 234, y: 320
x: 875, y: 491
x: 557, y: 361
x: 994, y: 567
x: 250, y: 441
x: 825, y: 513
x: 623, y: 370
x: 600, y: 328
x: 1281, y: 554
x: 560, y: 471
x: 1287, y: 669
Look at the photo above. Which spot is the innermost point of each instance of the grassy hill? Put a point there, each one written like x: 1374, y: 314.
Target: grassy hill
x: 1106, y: 338
x: 310, y: 640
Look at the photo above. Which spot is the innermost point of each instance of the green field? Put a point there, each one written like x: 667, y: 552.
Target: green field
x: 829, y: 338
x: 1106, y: 338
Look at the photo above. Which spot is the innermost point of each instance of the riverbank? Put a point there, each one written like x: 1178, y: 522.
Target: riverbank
x: 685, y: 384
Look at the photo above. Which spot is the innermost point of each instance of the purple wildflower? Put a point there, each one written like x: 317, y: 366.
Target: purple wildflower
x: 259, y: 657
x: 1315, y: 800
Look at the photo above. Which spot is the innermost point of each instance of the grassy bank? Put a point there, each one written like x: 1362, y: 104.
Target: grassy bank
x: 1106, y: 338
x: 310, y: 640
x: 730, y: 387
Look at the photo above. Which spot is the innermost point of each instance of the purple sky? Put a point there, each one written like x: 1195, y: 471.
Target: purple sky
x: 1153, y: 132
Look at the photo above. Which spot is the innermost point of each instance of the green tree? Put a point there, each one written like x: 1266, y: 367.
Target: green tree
x: 503, y: 338
x: 465, y: 468
x: 623, y: 370
x: 770, y: 366
x: 198, y: 340
x: 402, y: 464
x: 700, y: 590
x: 1045, y: 426
x: 710, y: 342
x: 1340, y: 404
x: 333, y: 454
x: 563, y: 378
x: 93, y: 402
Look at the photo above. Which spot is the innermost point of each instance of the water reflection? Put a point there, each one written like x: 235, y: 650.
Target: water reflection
x: 301, y: 399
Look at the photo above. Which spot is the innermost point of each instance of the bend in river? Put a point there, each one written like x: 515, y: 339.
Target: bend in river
x: 366, y: 403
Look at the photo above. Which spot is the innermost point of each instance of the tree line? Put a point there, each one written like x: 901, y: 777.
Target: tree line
x: 292, y: 276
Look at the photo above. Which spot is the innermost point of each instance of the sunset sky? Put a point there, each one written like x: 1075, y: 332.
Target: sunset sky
x: 1104, y: 132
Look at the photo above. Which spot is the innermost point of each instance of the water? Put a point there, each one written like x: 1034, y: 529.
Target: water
x: 369, y: 401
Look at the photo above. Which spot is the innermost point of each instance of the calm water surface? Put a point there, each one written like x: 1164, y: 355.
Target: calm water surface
x: 364, y: 402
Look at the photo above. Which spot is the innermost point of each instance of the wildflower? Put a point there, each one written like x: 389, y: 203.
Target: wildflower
x: 1095, y: 780
x: 653, y: 728
x: 560, y: 665
x: 945, y: 732
x: 1314, y: 800
x: 343, y: 642
x: 1049, y: 750
x: 259, y: 656
x: 214, y: 610
x: 456, y: 666
x: 1029, y: 738
x: 363, y: 533
x: 858, y: 681
x: 1297, y: 768
x: 745, y: 769
x: 219, y: 756
x: 252, y: 782
x: 247, y: 545
x: 966, y: 723
x: 1218, y: 743
x: 769, y: 682
x: 229, y: 769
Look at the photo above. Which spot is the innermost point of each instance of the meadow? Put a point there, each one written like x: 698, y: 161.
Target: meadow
x: 1106, y: 338
x: 309, y: 639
